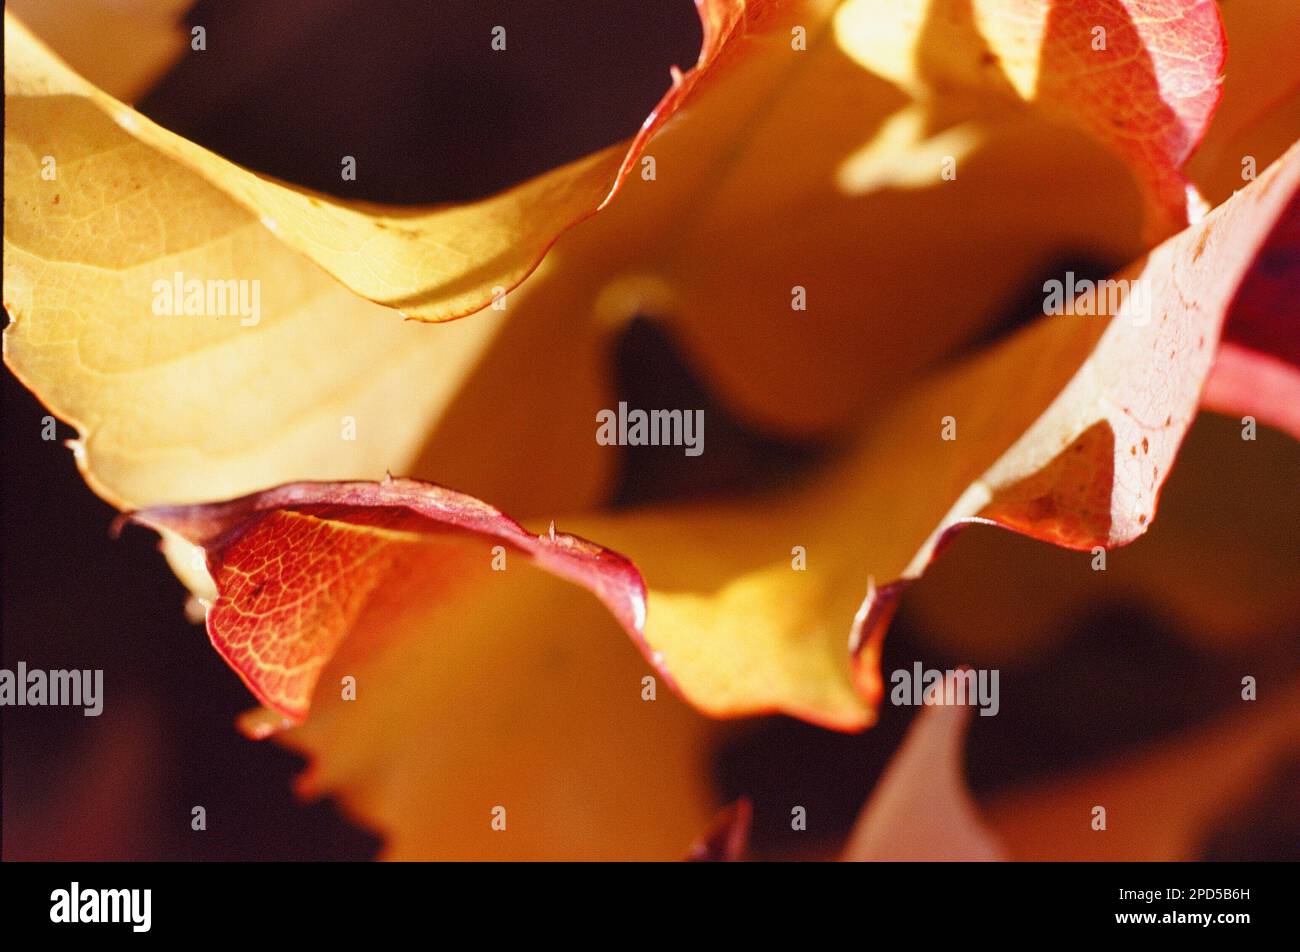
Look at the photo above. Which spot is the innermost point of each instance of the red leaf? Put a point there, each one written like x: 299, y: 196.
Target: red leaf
x: 295, y: 565
x: 1158, y: 87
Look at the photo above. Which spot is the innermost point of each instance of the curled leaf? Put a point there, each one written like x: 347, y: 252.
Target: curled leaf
x: 672, y: 246
x: 1218, y: 567
x: 177, y: 406
x: 1065, y: 432
x: 433, y: 264
x: 294, y: 568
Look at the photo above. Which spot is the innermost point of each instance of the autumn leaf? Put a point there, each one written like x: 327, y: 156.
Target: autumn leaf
x: 34, y: 76
x: 439, y: 596
x: 295, y: 567
x: 977, y: 605
x: 435, y: 264
x: 786, y: 216
x: 443, y: 263
x: 1008, y: 205
x: 1066, y: 432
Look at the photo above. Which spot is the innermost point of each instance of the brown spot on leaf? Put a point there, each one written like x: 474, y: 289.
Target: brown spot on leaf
x: 1054, y: 504
x: 1200, y: 245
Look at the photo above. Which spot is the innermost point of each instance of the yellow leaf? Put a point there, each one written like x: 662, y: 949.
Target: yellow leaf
x: 644, y: 254
x: 1066, y: 432
x: 747, y: 207
x: 434, y: 264
x: 516, y: 690
x: 178, y: 407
